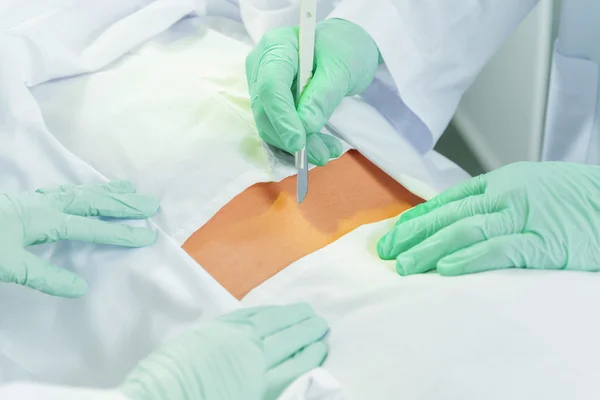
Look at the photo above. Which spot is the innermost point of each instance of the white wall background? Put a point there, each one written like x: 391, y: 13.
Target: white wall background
x: 501, y: 117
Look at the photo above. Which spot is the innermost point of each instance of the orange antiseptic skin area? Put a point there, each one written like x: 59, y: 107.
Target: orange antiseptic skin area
x: 263, y: 229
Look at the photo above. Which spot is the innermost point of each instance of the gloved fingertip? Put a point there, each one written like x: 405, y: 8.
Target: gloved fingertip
x: 152, y: 236
x: 143, y: 237
x: 383, y: 248
x: 403, y: 265
x: 337, y: 150
x: 80, y: 288
x: 317, y: 149
x: 449, y: 268
x: 155, y: 204
x: 150, y: 206
x: 316, y: 158
x: 294, y: 143
x: 321, y: 325
x: 77, y: 288
x: 333, y: 144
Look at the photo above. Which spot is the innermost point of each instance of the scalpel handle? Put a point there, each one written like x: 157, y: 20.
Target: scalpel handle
x: 306, y: 50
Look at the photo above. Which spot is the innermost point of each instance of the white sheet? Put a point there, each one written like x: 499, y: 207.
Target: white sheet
x: 123, y: 122
x: 174, y: 118
x: 513, y: 334
x: 137, y: 299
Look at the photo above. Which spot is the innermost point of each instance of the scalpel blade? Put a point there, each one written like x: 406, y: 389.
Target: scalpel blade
x: 302, y: 168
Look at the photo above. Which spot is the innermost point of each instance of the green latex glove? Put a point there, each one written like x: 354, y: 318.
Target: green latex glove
x: 58, y: 213
x: 524, y: 215
x: 345, y: 61
x: 251, y: 354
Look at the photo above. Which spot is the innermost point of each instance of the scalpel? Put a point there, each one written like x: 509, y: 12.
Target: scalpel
x: 306, y: 49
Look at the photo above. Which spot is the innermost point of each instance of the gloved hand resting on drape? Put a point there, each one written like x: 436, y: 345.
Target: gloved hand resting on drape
x: 524, y: 215
x: 58, y: 214
x: 250, y: 354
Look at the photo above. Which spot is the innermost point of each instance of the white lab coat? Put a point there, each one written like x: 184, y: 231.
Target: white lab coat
x: 432, y: 50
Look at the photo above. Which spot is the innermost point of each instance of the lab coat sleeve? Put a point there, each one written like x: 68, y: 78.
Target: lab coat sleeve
x: 29, y: 390
x: 434, y: 49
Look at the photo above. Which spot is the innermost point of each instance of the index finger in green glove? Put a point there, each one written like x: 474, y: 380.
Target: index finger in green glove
x: 406, y: 235
x: 321, y: 148
x: 511, y: 251
x: 116, y: 199
x: 52, y: 228
x: 102, y: 204
x: 466, y: 232
x: 470, y: 187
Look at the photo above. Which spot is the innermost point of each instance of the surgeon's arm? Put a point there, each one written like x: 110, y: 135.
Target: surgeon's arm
x: 434, y: 49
